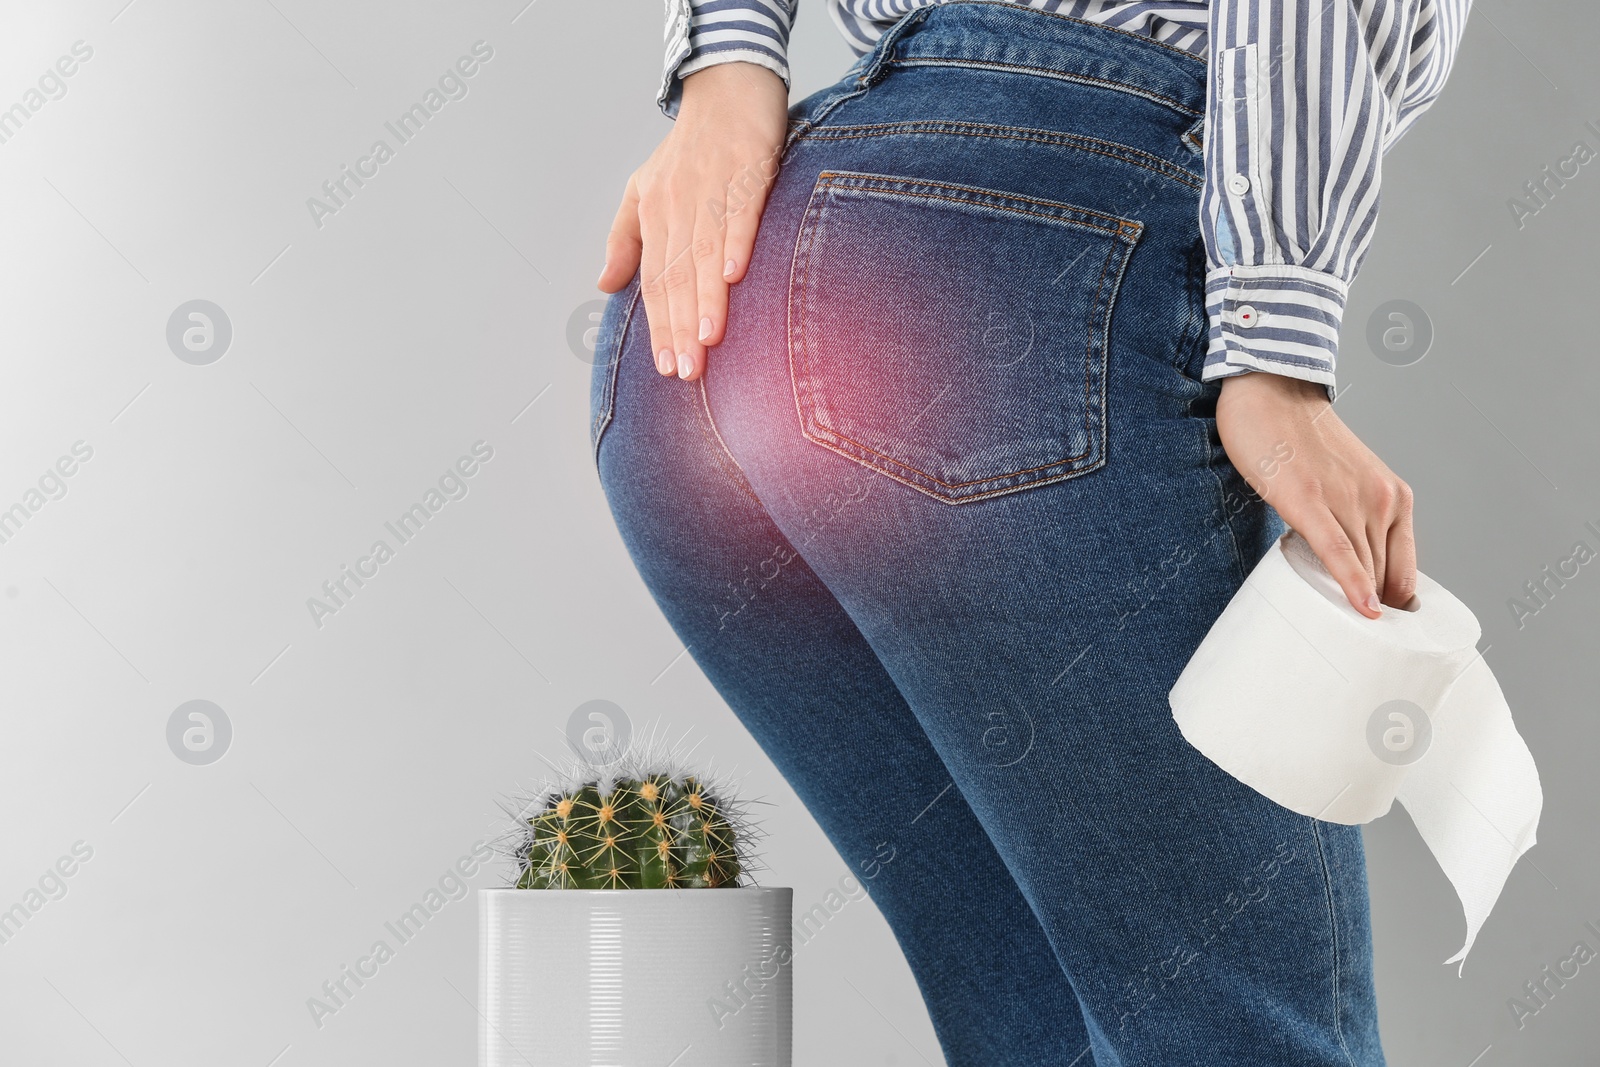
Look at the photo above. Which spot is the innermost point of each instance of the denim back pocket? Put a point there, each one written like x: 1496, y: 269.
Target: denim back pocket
x: 953, y: 337
x: 609, y: 335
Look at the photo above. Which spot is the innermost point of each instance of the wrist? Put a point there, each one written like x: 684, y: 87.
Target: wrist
x: 1273, y: 388
x: 733, y: 84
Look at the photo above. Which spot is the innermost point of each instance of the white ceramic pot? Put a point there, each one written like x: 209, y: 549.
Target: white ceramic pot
x: 635, y: 977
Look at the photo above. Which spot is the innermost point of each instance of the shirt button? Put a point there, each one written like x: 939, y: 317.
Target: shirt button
x: 1238, y: 185
x: 1246, y: 315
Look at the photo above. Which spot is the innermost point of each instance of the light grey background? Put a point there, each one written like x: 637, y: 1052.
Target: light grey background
x: 432, y: 312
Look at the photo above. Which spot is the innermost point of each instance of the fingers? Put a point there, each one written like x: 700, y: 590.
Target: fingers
x: 1384, y: 510
x: 1351, y: 508
x: 682, y: 294
x: 739, y: 237
x: 1376, y: 536
x: 623, y: 243
x: 1381, y: 502
x: 1400, y: 578
x: 685, y: 294
x: 653, y: 285
x: 1366, y: 541
x: 1338, y: 552
x: 692, y: 209
x: 712, y: 288
x: 723, y: 246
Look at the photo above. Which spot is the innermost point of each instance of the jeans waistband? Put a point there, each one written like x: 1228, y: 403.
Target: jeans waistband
x: 1012, y: 37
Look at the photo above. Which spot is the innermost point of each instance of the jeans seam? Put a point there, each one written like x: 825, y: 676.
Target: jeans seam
x: 608, y: 406
x: 1333, y: 932
x: 711, y: 421
x: 958, y: 128
x: 1124, y: 228
x: 1050, y: 72
x: 869, y: 69
x: 814, y: 119
x: 1222, y: 499
x: 1191, y: 339
x: 1143, y: 39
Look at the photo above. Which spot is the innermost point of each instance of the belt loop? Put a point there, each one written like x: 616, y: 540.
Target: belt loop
x: 883, y: 52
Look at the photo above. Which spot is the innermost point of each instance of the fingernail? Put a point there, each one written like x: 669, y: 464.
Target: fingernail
x: 727, y: 271
x: 664, y: 361
x: 1373, y: 604
x: 705, y: 327
x: 685, y: 365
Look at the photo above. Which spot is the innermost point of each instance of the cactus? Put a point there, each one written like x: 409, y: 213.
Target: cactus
x: 646, y: 831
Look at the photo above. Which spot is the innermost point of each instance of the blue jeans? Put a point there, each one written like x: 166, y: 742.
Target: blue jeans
x: 943, y: 521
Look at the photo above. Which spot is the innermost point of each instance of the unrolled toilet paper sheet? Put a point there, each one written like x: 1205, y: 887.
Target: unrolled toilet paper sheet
x: 1336, y: 716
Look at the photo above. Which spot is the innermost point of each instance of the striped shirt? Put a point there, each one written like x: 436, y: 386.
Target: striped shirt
x: 1303, y: 99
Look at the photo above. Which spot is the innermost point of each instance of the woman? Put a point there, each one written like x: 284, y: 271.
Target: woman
x: 943, y: 471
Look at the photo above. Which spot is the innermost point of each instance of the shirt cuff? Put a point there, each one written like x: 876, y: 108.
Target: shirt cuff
x: 1273, y: 317
x: 676, y: 35
x: 681, y: 61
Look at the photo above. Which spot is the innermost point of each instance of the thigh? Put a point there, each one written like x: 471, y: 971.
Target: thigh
x: 1001, y: 332
x: 797, y: 672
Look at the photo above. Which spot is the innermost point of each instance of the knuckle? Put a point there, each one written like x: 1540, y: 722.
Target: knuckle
x: 704, y: 249
x: 674, y: 188
x: 1338, y: 543
x: 678, y: 274
x: 1311, y: 489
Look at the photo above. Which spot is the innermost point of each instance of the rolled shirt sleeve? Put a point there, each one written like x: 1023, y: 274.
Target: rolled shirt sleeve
x: 1304, y: 98
x: 702, y: 33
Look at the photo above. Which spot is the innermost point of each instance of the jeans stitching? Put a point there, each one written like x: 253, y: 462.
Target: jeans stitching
x: 1050, y: 72
x: 1141, y: 38
x: 1333, y: 931
x: 608, y: 399
x: 1193, y: 338
x: 711, y: 423
x: 1222, y: 499
x: 971, y: 497
x: 1124, y: 228
x: 801, y: 260
x: 1015, y: 133
x: 876, y: 67
x: 826, y: 107
x: 1126, y: 235
x: 735, y: 474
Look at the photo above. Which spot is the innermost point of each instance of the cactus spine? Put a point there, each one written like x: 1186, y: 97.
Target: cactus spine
x: 652, y: 831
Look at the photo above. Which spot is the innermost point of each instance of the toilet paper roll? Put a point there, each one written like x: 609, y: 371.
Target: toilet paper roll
x: 1335, y: 715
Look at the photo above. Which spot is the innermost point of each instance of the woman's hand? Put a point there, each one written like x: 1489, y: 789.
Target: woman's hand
x: 1285, y: 439
x: 688, y: 217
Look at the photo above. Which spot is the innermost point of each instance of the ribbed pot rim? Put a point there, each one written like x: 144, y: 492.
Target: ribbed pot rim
x: 634, y: 892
